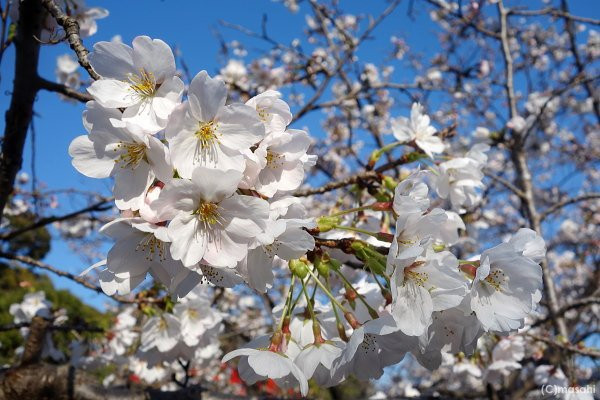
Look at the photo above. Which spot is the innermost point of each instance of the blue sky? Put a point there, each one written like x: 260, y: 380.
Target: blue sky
x: 189, y: 26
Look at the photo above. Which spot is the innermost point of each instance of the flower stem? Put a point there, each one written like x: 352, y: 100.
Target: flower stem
x: 325, y: 290
x: 354, y: 229
x: 308, y: 302
x: 288, y: 301
x: 372, y: 312
x: 351, y: 210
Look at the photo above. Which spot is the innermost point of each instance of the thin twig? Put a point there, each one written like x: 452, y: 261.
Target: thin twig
x: 64, y: 90
x: 71, y: 28
x: 82, y: 281
x: 99, y: 206
x: 554, y: 208
x: 565, y: 346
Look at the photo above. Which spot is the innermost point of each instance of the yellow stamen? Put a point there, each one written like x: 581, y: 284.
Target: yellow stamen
x: 206, y: 134
x: 132, y: 154
x: 143, y: 84
x: 153, y: 246
x: 274, y: 160
x: 208, y: 214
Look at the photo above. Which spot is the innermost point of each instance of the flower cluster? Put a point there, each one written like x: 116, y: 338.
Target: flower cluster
x: 205, y: 188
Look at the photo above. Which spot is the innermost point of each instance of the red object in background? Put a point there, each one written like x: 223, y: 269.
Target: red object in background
x: 134, y: 378
x: 234, y: 378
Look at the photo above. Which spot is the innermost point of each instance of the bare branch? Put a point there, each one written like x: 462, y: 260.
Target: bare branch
x: 556, y: 207
x: 504, y: 182
x: 71, y: 28
x: 566, y: 346
x: 99, y: 206
x: 360, y: 177
x: 82, y: 281
x: 554, y: 13
x: 64, y: 90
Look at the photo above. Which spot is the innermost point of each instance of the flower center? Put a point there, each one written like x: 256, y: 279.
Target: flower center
x: 152, y: 246
x: 369, y: 343
x: 496, y: 279
x: 208, y: 214
x: 143, y: 84
x: 132, y: 154
x: 193, y: 313
x: 274, y: 160
x: 263, y: 114
x: 418, y: 278
x: 206, y: 134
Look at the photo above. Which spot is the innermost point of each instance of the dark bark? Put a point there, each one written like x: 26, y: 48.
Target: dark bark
x: 18, y: 116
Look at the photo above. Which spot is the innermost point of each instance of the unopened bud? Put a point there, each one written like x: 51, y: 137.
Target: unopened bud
x: 352, y: 320
x: 317, y: 333
x: 327, y: 223
x: 469, y: 269
x: 382, y: 206
x: 298, y: 268
x: 389, y: 182
x: 322, y: 265
x: 276, y: 341
x: 341, y: 331
x: 438, y: 248
x: 387, y: 296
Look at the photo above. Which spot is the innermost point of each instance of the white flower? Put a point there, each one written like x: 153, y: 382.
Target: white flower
x: 146, y: 373
x: 372, y: 347
x: 196, y: 318
x: 66, y: 71
x: 452, y: 330
x: 283, y: 239
x: 273, y: 112
x: 122, y: 335
x: 33, y: 304
x: 459, y: 178
x: 140, y: 247
x: 204, y: 131
x: 417, y: 128
x: 507, y: 284
x: 210, y: 222
x: 410, y: 196
x: 134, y: 158
x: 278, y: 162
x: 140, y: 79
x: 316, y: 360
x: 506, y: 356
x: 160, y: 332
x: 420, y: 287
x: 259, y: 364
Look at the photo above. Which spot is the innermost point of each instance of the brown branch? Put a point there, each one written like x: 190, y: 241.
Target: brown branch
x: 82, y: 281
x: 99, y: 206
x: 64, y: 90
x: 523, y: 177
x: 566, y: 346
x: 20, y: 112
x: 71, y: 28
x: 579, y: 63
x: 35, y: 341
x: 360, y: 177
x: 586, y: 301
x: 469, y: 22
x: 554, y: 13
x: 556, y: 207
x: 345, y: 245
x: 504, y: 182
x: 61, y: 328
